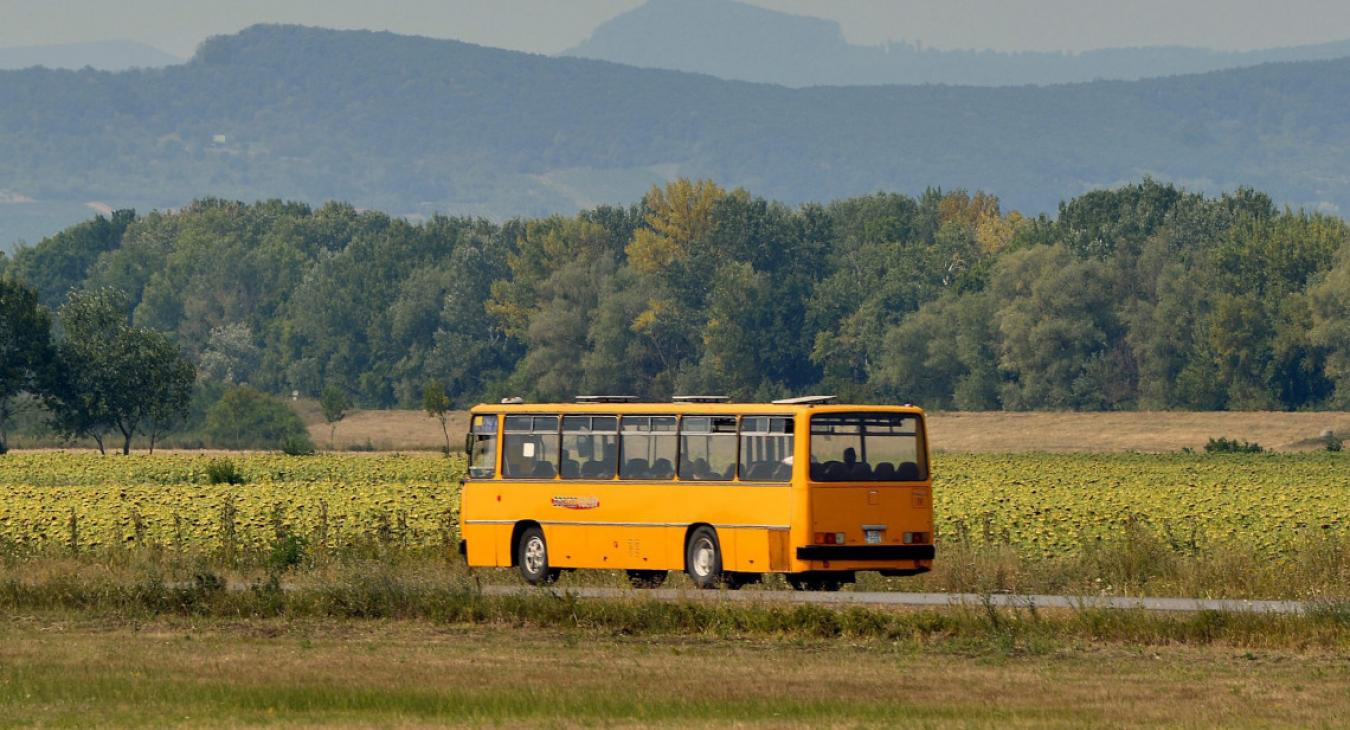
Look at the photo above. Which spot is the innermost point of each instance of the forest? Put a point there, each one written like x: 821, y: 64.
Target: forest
x: 1140, y: 297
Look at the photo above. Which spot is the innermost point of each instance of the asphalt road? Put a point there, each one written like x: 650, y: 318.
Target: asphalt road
x: 847, y: 598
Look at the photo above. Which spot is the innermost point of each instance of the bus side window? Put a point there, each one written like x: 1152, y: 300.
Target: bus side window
x: 766, y: 449
x: 530, y: 447
x: 590, y: 447
x: 647, y: 448
x: 707, y: 448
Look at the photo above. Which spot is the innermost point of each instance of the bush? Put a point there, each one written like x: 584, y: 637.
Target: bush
x: 297, y: 446
x: 245, y: 418
x: 223, y: 471
x: 1334, y: 443
x: 1232, y: 446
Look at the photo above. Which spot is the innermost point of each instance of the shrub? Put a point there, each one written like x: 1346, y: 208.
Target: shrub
x: 245, y: 418
x: 297, y: 445
x: 1232, y: 446
x: 1334, y: 442
x: 223, y: 471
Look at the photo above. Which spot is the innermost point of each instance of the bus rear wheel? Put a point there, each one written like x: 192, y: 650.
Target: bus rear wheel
x: 532, y: 558
x: 703, y: 558
x: 646, y: 578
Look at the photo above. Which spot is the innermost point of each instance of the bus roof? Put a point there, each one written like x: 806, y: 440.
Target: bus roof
x: 662, y: 408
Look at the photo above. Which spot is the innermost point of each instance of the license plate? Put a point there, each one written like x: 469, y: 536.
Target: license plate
x: 874, y: 537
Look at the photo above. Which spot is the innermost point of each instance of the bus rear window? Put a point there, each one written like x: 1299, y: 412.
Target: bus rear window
x: 866, y: 447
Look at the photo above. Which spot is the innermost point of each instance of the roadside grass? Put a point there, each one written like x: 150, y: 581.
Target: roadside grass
x: 1140, y: 563
x: 443, y: 593
x: 71, y: 671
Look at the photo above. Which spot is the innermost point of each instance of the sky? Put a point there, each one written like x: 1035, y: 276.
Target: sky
x: 550, y: 26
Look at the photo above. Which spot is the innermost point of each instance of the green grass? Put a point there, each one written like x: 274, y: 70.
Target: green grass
x: 62, y: 671
x: 442, y: 594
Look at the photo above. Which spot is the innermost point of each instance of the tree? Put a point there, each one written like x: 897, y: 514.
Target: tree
x: 436, y: 402
x: 334, y: 402
x: 26, y: 354
x: 245, y: 417
x: 115, y: 376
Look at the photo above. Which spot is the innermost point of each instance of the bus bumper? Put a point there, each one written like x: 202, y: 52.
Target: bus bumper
x: 866, y: 553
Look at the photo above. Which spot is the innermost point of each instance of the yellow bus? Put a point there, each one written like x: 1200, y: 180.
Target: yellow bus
x: 726, y: 492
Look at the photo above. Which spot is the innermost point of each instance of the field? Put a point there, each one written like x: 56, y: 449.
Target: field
x: 324, y: 590
x: 1245, y: 526
x: 193, y: 672
x: 997, y: 431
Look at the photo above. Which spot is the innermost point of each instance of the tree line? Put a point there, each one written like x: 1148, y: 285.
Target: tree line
x: 1141, y: 297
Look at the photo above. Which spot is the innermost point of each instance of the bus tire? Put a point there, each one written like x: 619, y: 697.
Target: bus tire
x: 646, y: 578
x: 703, y: 557
x: 532, y: 558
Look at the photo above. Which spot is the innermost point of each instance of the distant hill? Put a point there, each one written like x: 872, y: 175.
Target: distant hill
x: 101, y: 55
x: 414, y: 125
x: 733, y: 40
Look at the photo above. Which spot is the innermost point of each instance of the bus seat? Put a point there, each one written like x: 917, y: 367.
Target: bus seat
x: 571, y: 469
x: 762, y: 471
x: 594, y: 469
x: 834, y: 471
x: 861, y: 471
x: 908, y: 472
x: 727, y: 473
x: 884, y: 472
x: 634, y: 469
x: 662, y: 469
x: 817, y: 471
x: 697, y: 469
x: 543, y: 470
x: 782, y: 472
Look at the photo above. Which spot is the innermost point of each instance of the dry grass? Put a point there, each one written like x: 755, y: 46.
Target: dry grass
x: 1134, y: 431
x: 391, y: 430
x: 995, y: 431
x: 191, y: 672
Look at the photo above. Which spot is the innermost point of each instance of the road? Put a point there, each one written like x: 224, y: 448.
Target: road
x: 886, y: 598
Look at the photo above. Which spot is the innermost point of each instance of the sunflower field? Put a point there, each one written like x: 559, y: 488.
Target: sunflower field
x: 1045, y: 505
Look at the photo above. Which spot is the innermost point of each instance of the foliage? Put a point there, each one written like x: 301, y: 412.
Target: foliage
x: 223, y: 471
x: 26, y: 354
x: 297, y: 445
x: 334, y: 403
x: 1223, y: 445
x: 245, y: 418
x: 114, y: 376
x: 436, y: 403
x: 1141, y: 297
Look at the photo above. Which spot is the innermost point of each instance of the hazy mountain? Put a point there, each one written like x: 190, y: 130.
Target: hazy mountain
x: 102, y: 55
x: 733, y: 40
x: 414, y: 125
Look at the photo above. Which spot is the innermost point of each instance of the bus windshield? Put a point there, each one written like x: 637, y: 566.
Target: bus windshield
x: 866, y: 447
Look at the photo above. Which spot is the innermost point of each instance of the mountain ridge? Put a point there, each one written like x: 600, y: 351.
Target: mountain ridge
x: 737, y: 41
x: 417, y: 125
x: 113, y: 55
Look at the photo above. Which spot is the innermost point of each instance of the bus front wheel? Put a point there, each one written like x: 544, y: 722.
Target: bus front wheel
x: 532, y: 558
x: 703, y: 558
